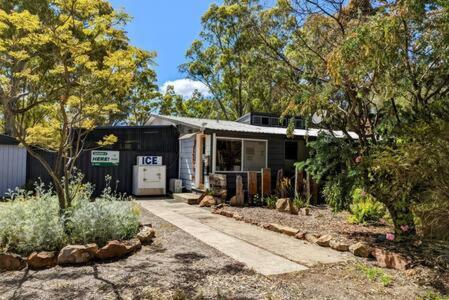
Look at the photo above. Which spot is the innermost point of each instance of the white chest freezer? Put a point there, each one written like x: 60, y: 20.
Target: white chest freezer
x: 149, y: 180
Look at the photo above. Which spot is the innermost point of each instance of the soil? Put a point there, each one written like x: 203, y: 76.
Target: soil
x: 177, y: 266
x: 321, y: 221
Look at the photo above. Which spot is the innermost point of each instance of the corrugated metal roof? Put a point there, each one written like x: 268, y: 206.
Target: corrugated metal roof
x: 221, y: 125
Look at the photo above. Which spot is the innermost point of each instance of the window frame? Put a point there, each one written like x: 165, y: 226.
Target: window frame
x: 214, y: 163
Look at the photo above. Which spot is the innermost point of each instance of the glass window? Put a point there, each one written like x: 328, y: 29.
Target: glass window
x: 291, y: 150
x: 254, y: 155
x: 266, y: 121
x: 229, y: 155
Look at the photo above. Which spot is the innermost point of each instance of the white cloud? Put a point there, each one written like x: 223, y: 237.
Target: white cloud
x: 185, y: 87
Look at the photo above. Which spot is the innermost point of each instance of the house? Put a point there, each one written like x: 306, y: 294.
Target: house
x: 253, y: 142
x: 12, y: 164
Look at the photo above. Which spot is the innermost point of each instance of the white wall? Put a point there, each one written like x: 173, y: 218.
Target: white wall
x: 12, y: 168
x: 186, y: 170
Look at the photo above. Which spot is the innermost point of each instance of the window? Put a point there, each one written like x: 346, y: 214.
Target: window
x: 229, y: 155
x: 291, y: 150
x: 266, y: 121
x: 254, y: 155
x: 237, y: 155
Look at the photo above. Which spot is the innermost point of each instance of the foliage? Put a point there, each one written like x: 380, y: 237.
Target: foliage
x: 375, y: 274
x: 270, y: 201
x: 196, y: 106
x: 300, y: 202
x: 31, y: 221
x: 364, y: 208
x: 333, y: 161
x: 66, y: 67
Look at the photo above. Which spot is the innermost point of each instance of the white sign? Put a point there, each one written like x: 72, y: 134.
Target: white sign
x: 149, y: 160
x: 100, y: 158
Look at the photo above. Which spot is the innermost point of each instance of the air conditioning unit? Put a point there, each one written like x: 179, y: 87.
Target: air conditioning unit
x: 175, y: 185
x: 149, y: 180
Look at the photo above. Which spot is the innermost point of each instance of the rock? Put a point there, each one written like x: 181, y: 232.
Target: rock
x: 238, y: 217
x: 391, y: 260
x: 116, y: 249
x: 92, y: 248
x: 286, y: 205
x: 222, y: 205
x: 75, y: 254
x: 339, y: 246
x: 301, y: 235
x: 42, y: 260
x: 146, y: 235
x: 265, y: 226
x: 233, y: 201
x: 306, y: 211
x: 360, y: 249
x: 324, y: 240
x: 227, y: 214
x: 312, y: 237
x: 207, y: 201
x: 145, y: 224
x: 283, y: 229
x: 11, y: 262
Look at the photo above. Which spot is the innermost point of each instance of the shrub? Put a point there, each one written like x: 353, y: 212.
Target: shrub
x: 365, y: 209
x: 337, y: 193
x: 103, y: 220
x: 31, y: 223
x: 270, y: 201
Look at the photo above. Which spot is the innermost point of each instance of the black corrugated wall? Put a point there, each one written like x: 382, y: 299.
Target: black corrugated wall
x: 133, y: 141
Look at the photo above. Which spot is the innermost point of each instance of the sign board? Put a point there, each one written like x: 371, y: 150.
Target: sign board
x: 149, y: 160
x: 100, y: 158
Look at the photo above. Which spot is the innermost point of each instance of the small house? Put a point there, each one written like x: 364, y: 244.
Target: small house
x: 251, y: 143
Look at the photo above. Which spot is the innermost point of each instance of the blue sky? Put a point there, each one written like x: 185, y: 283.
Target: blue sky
x: 167, y: 27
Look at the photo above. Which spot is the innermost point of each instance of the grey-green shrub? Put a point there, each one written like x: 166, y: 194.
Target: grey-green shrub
x: 103, y: 220
x: 31, y: 223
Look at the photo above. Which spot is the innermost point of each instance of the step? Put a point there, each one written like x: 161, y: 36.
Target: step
x: 189, y: 198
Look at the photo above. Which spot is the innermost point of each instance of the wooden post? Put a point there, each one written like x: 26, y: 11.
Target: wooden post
x: 315, y: 192
x: 252, y: 185
x: 240, y: 197
x: 266, y: 182
x: 299, y: 184
x: 199, y: 180
x: 279, y: 177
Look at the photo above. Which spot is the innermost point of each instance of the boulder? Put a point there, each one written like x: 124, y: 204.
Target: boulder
x: 339, y: 245
x: 92, y: 248
x: 75, y: 254
x: 146, y: 235
x: 301, y: 235
x: 238, y: 217
x: 360, y: 249
x: 11, y: 262
x: 207, y: 201
x: 324, y: 241
x: 42, y: 260
x: 312, y: 237
x: 391, y: 260
x: 306, y: 211
x: 286, y: 205
x: 116, y: 249
x: 283, y: 229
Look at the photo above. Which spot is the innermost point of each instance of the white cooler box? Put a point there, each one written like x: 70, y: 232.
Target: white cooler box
x: 149, y: 180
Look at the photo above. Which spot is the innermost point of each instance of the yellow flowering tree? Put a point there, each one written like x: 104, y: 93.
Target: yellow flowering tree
x: 66, y: 66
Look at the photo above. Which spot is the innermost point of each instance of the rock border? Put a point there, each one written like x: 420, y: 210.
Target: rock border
x: 384, y: 258
x: 78, y: 254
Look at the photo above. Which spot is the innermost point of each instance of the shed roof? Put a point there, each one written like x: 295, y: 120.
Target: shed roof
x: 7, y: 140
x: 234, y: 126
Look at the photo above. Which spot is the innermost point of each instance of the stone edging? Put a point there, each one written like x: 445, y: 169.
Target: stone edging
x: 384, y: 258
x: 77, y: 254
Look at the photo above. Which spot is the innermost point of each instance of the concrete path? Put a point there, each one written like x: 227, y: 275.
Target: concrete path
x: 264, y: 251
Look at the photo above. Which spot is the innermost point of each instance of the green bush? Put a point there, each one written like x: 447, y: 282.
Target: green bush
x: 33, y: 222
x: 365, y: 209
x: 270, y: 201
x: 336, y: 192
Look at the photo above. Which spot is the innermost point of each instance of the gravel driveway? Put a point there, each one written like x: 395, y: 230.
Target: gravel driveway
x: 177, y: 266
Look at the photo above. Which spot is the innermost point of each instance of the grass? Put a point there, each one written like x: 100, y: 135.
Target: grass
x: 376, y: 274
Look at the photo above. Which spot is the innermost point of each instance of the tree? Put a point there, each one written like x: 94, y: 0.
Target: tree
x: 227, y: 59
x: 196, y: 106
x: 65, y: 65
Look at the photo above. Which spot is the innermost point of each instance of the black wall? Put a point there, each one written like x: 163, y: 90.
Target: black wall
x: 133, y: 141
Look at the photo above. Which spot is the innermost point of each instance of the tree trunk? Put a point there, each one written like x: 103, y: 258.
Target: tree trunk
x: 9, y: 124
x: 404, y: 224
